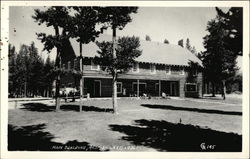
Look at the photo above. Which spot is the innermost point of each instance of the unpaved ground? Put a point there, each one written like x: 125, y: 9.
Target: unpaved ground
x: 141, y: 125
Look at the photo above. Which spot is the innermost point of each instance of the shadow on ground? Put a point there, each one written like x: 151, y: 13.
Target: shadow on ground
x: 34, y: 138
x: 166, y: 136
x: 210, y: 111
x: 40, y: 107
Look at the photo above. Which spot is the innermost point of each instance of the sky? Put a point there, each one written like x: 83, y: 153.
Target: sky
x: 171, y: 23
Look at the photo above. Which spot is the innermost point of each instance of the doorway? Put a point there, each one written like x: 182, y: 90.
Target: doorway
x: 174, y: 88
x: 97, y: 88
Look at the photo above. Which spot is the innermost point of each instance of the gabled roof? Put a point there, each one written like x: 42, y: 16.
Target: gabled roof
x: 152, y: 52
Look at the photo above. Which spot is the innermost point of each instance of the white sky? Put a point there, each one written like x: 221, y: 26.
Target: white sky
x: 172, y: 23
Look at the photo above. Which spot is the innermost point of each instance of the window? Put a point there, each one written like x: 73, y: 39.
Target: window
x: 182, y: 71
x: 152, y: 68
x: 142, y: 87
x: 157, y: 87
x: 119, y: 87
x: 195, y: 72
x: 75, y: 64
x: 69, y: 65
x: 135, y: 67
x: 94, y: 66
x: 168, y: 70
x: 191, y: 87
x: 177, y: 71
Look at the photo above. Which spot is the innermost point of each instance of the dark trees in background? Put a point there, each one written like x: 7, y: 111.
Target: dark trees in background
x: 219, y: 59
x: 147, y: 38
x: 59, y: 19
x: 116, y: 18
x: 190, y: 48
x: 12, y: 82
x: 233, y: 22
x: 49, y: 76
x: 28, y: 74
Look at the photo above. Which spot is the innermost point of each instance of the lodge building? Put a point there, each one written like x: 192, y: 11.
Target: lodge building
x: 161, y: 68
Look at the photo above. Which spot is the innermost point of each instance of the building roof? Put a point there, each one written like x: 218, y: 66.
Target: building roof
x: 152, y: 52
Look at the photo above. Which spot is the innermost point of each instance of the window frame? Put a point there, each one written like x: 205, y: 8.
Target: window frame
x: 69, y: 65
x: 117, y: 87
x: 75, y: 64
x: 157, y: 86
x: 169, y: 69
x: 137, y: 68
x: 93, y: 64
x: 135, y: 83
x: 195, y: 72
x: 154, y: 68
x: 182, y: 71
x: 196, y: 87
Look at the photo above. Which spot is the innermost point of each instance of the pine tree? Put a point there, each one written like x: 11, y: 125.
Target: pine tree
x: 59, y: 19
x: 116, y: 18
x: 233, y: 22
x: 12, y: 71
x: 126, y: 51
x: 219, y: 61
x: 84, y: 30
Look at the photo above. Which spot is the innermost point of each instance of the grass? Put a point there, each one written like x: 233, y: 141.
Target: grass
x: 141, y: 125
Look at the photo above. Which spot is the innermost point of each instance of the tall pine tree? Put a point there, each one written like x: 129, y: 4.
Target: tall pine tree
x: 116, y: 18
x: 219, y: 61
x: 59, y: 19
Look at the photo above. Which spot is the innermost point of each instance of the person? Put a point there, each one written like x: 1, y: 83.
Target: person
x: 163, y: 95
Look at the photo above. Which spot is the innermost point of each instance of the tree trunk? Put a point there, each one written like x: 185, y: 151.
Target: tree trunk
x: 58, y: 66
x: 213, y: 89
x: 223, y: 89
x: 114, y: 92
x: 81, y: 78
x: 114, y: 96
x: 25, y: 88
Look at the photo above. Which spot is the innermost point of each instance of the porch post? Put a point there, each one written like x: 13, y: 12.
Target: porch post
x: 159, y: 88
x: 138, y: 81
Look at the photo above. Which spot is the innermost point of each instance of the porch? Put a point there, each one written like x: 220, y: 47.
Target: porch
x: 102, y: 87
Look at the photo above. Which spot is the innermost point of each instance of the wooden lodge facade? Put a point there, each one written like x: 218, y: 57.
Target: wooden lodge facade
x: 161, y: 69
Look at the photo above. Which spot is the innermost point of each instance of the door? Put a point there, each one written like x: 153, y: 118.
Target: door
x: 97, y: 88
x: 173, y: 88
x: 142, y: 88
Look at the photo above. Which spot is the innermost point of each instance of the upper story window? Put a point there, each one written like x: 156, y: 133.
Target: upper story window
x: 168, y: 70
x: 94, y: 66
x: 69, y: 65
x: 135, y: 67
x: 152, y: 68
x: 182, y: 71
x: 177, y: 71
x: 195, y: 72
x: 75, y: 64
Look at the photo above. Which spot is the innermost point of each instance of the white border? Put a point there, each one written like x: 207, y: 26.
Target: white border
x: 4, y: 83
